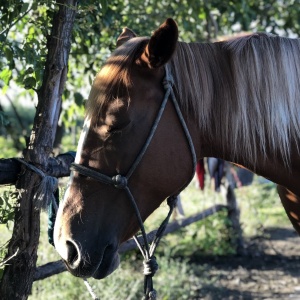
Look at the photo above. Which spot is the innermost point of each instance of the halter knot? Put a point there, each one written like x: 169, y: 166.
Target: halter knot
x: 152, y: 295
x: 119, y: 181
x: 172, y: 201
x: 168, y: 82
x: 150, y: 266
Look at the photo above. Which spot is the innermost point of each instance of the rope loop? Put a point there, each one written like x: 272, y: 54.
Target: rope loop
x: 152, y: 295
x: 168, y: 83
x: 44, y: 194
x: 172, y: 201
x: 150, y: 266
x: 119, y: 181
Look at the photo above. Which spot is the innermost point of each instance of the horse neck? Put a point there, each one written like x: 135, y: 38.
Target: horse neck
x: 203, y: 82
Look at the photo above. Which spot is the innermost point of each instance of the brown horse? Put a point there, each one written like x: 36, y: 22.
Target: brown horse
x: 240, y: 100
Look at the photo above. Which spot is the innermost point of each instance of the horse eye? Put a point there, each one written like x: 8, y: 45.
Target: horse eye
x: 112, y: 129
x: 118, y: 127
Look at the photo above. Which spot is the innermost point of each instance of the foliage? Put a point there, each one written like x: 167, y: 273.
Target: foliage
x: 210, y: 236
x: 261, y: 208
x: 23, y: 44
x: 16, y: 129
x: 3, y: 251
x: 8, y: 201
x: 7, y: 206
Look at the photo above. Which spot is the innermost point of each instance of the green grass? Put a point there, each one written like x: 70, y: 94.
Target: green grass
x: 177, y: 278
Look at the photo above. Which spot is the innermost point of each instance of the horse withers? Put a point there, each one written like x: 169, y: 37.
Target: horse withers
x: 240, y: 100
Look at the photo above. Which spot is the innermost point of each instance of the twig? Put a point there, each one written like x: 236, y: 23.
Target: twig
x: 14, y: 23
x: 3, y: 263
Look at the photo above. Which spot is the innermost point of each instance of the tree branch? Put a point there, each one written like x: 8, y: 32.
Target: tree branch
x: 6, y: 30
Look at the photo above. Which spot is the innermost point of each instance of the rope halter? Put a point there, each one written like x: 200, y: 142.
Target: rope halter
x: 121, y: 182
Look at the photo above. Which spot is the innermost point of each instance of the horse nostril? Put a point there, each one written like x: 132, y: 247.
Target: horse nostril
x: 73, y: 257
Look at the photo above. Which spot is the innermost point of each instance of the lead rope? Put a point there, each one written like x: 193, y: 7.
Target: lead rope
x: 150, y: 264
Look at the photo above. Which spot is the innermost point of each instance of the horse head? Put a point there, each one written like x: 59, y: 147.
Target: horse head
x: 96, y: 217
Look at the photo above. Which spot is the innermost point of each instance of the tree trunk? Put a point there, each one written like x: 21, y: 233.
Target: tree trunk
x: 19, y: 273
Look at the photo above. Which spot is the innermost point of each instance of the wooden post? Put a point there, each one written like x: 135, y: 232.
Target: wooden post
x: 234, y: 217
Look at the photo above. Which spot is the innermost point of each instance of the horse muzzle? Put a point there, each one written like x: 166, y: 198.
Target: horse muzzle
x: 82, y: 263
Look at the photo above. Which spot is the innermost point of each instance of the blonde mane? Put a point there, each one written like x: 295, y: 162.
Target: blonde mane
x: 244, y: 92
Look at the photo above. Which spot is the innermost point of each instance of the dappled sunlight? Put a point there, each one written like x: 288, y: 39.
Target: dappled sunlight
x: 292, y: 197
x: 294, y: 216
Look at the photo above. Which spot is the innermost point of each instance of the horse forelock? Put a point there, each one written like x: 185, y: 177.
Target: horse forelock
x: 114, y: 74
x: 244, y: 92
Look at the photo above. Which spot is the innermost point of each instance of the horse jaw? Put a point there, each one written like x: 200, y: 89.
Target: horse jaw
x: 110, y: 262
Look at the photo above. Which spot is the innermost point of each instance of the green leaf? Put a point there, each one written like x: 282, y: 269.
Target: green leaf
x: 78, y: 98
x: 29, y: 71
x: 29, y: 82
x: 4, y: 121
x: 5, y: 75
x: 9, y: 54
x: 24, y: 8
x: 103, y: 4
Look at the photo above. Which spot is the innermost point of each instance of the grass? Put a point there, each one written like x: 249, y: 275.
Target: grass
x: 177, y: 278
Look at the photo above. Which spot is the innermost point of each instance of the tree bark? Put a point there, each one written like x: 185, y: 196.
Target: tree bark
x: 19, y: 273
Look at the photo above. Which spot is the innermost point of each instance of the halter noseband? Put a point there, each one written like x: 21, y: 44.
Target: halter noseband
x: 121, y: 182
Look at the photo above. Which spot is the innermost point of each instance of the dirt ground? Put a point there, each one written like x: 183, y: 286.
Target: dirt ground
x: 270, y: 270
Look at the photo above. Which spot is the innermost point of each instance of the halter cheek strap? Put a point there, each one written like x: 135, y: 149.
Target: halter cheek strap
x: 121, y: 182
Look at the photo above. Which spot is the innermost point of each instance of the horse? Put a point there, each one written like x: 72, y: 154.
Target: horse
x: 239, y: 100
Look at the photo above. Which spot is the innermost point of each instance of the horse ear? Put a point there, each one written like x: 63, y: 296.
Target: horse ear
x: 126, y: 35
x: 162, y: 45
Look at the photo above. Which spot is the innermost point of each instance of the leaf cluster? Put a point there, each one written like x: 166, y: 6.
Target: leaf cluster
x: 7, y: 206
x: 23, y: 43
